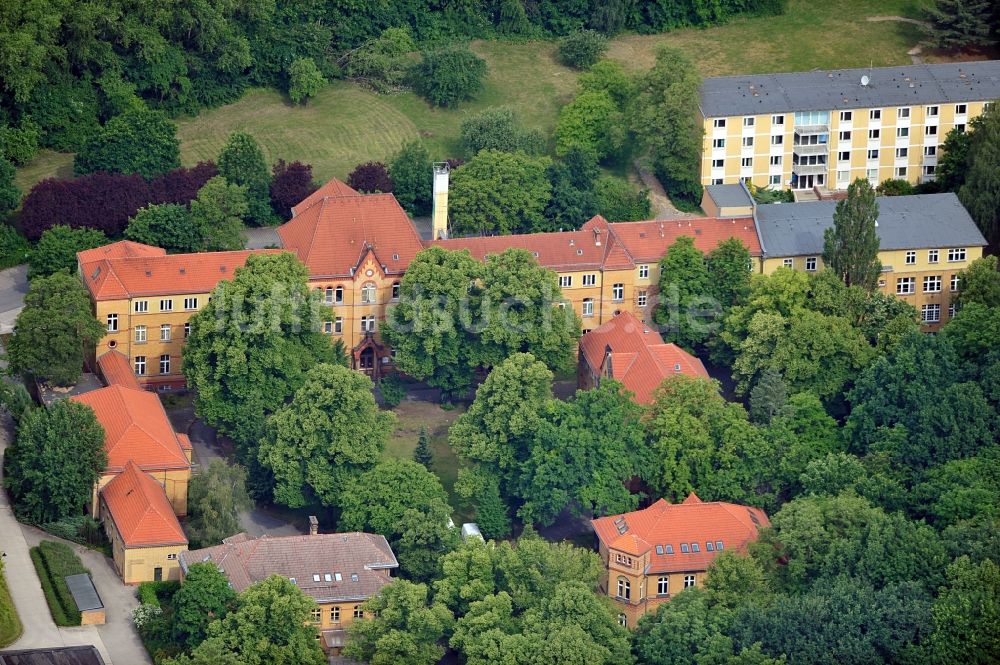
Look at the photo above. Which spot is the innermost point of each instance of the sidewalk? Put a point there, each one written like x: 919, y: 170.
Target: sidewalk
x: 39, y: 628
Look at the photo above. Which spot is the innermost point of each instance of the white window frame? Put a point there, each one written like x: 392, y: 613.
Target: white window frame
x: 139, y: 365
x: 644, y: 271
x: 618, y: 292
x: 191, y: 303
x: 140, y: 335
x: 165, y: 363
x: 906, y: 286
x: 587, y: 307
x: 811, y: 263
x: 167, y: 305
x: 165, y: 332
x: 565, y: 281
x: 932, y: 283
x: 956, y: 254
x: 590, y: 279
x: 930, y: 313
x: 112, y: 323
x: 640, y: 299
x: 690, y: 581
x: 140, y: 306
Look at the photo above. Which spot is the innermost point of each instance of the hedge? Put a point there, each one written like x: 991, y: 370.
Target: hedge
x: 53, y: 562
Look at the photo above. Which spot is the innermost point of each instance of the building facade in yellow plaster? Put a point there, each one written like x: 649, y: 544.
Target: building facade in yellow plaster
x: 826, y: 129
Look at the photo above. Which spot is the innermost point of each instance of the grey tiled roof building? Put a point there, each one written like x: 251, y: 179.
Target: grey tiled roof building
x: 822, y: 90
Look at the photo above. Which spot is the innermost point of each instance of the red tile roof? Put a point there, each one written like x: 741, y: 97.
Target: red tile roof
x: 638, y: 356
x: 135, y: 276
x: 332, y: 188
x: 334, y: 234
x: 141, y: 511
x: 692, y: 522
x: 324, y: 565
x: 136, y: 429
x: 117, y: 371
x: 573, y: 250
x: 648, y: 241
x: 119, y: 250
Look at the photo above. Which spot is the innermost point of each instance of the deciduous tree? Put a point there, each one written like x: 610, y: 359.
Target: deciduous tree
x: 406, y: 629
x: 426, y: 328
x: 56, y: 250
x: 138, y: 141
x: 10, y: 195
x: 980, y: 283
x: 664, y: 119
x: 686, y: 306
x: 218, y: 213
x: 241, y: 162
x: 305, y: 80
x: 980, y: 193
x: 449, y: 75
x: 499, y: 193
x: 270, y: 624
x: 331, y: 431
x: 592, y: 122
x: 252, y: 345
x: 216, y: 495
x: 966, y: 615
x: 205, y: 596
x: 52, y: 468
x: 850, y: 246
x: 55, y: 331
x: 519, y: 308
x: 290, y: 185
x: 168, y: 225
x: 370, y: 177
x: 498, y: 129
x: 406, y: 503
x: 581, y: 50
x: 410, y: 170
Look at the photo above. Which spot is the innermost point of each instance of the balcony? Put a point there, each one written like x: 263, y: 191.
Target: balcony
x: 810, y: 169
x: 809, y: 130
x: 811, y: 148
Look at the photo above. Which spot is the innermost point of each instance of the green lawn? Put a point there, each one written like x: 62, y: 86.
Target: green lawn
x: 10, y: 622
x: 411, y: 417
x: 346, y: 125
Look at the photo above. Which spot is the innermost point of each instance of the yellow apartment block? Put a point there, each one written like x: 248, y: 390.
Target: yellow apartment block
x: 825, y: 129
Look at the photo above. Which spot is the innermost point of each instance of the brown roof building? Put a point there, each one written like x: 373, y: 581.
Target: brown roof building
x: 658, y: 551
x: 629, y: 351
x: 340, y: 571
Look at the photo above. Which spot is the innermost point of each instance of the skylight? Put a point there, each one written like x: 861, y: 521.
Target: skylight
x: 718, y: 545
x: 709, y: 546
x: 315, y: 578
x: 327, y: 577
x: 695, y: 547
x: 684, y: 548
x: 670, y: 549
x: 659, y: 549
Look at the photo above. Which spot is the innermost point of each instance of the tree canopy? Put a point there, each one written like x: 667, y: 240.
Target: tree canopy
x: 328, y: 433
x: 55, y: 462
x: 499, y: 193
x: 850, y: 246
x: 55, y: 331
x: 56, y: 250
x: 137, y: 141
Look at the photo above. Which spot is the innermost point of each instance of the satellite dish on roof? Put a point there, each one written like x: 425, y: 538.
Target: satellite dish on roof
x: 865, y: 80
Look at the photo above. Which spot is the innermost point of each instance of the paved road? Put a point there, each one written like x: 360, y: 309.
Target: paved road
x: 256, y: 521
x: 39, y: 629
x: 13, y: 286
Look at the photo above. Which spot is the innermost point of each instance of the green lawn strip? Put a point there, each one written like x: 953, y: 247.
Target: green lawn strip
x: 10, y: 622
x: 345, y: 124
x: 53, y: 562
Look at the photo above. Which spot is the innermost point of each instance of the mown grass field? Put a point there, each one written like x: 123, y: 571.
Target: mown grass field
x: 346, y: 124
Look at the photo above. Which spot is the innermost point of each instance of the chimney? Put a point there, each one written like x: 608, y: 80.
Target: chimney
x: 313, y: 525
x: 439, y: 216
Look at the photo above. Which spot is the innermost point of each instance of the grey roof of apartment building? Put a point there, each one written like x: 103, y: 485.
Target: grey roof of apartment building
x: 76, y: 655
x: 823, y: 90
x: 904, y: 222
x: 729, y: 196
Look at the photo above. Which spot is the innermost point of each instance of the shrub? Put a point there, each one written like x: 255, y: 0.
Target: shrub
x: 20, y: 144
x: 392, y: 389
x: 895, y: 187
x: 449, y: 76
x: 371, y: 177
x: 147, y: 594
x: 137, y: 141
x: 618, y: 201
x: 53, y: 562
x: 15, y: 399
x: 381, y: 63
x: 143, y: 615
x: 498, y: 129
x: 14, y: 248
x: 582, y: 49
x: 82, y: 529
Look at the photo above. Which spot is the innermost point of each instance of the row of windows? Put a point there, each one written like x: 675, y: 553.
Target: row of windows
x: 954, y: 254
x: 822, y: 117
x: 369, y: 294
x: 316, y: 614
x: 140, y: 365
x: 932, y: 284
x: 624, y: 586
x: 166, y: 305
x: 336, y: 327
x: 166, y: 330
x: 747, y: 141
x: 810, y: 263
x: 590, y: 279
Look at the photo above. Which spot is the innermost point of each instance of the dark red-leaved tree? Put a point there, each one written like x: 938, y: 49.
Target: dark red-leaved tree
x: 102, y: 201
x: 182, y: 185
x: 370, y: 177
x: 106, y: 201
x: 290, y: 184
